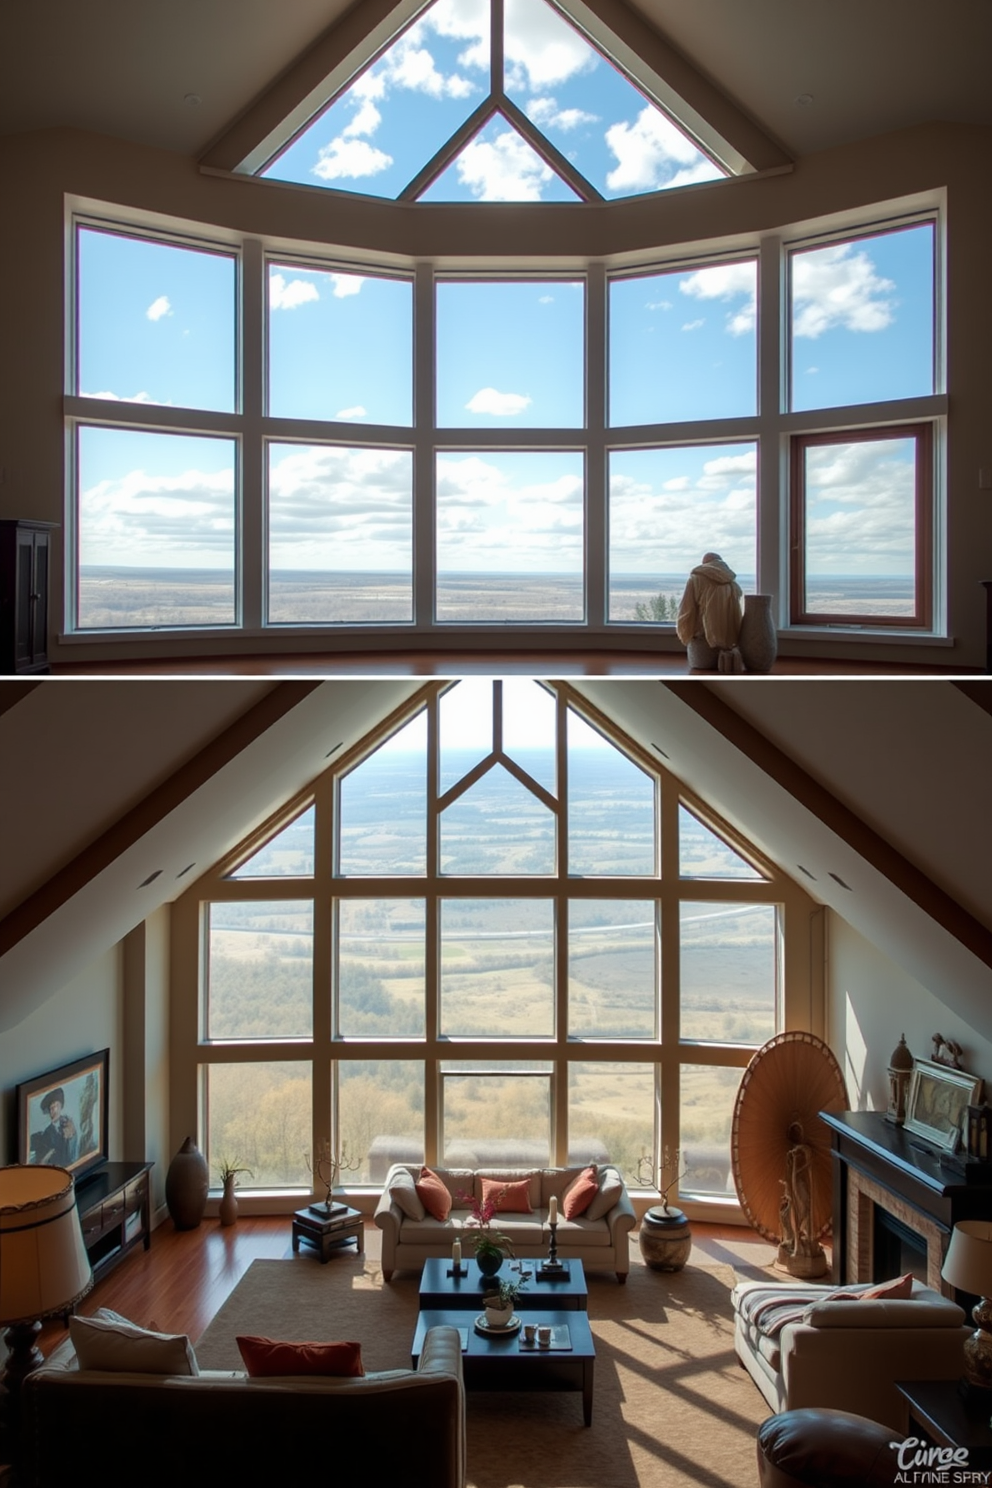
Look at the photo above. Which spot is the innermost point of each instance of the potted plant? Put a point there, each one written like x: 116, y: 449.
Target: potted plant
x: 229, y: 1174
x: 490, y: 1246
x: 500, y: 1300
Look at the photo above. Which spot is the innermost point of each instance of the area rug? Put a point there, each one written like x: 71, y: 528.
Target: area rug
x: 671, y: 1405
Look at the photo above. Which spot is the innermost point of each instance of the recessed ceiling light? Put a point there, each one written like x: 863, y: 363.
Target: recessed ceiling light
x: 837, y: 879
x: 806, y: 871
x: 804, y: 100
x: 659, y: 749
x: 334, y: 750
x: 185, y: 870
x: 150, y: 879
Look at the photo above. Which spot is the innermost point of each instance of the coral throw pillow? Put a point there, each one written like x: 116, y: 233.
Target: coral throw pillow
x: 265, y: 1357
x: 507, y: 1198
x: 898, y: 1289
x: 433, y: 1194
x: 580, y: 1193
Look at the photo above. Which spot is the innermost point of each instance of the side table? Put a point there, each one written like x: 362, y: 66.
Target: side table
x: 937, y: 1412
x: 327, y: 1235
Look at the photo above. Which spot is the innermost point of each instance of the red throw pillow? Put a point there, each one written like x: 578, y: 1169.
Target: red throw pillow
x: 507, y: 1198
x: 265, y: 1357
x: 580, y: 1193
x: 898, y: 1289
x: 433, y: 1194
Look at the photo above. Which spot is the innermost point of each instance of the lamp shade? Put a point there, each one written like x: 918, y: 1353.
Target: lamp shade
x: 968, y: 1263
x: 44, y: 1267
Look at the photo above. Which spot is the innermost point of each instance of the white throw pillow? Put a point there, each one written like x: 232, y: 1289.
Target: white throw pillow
x: 107, y: 1341
x: 610, y: 1189
x: 403, y: 1191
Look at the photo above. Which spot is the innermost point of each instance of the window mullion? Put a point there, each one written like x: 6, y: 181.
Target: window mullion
x: 596, y: 476
x: 252, y: 473
x: 773, y: 533
x: 424, y: 401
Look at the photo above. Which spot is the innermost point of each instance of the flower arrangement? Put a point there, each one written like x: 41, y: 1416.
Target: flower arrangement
x: 503, y: 1293
x: 488, y: 1242
x: 231, y: 1171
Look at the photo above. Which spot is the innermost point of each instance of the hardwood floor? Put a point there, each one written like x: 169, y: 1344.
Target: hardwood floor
x: 181, y: 1281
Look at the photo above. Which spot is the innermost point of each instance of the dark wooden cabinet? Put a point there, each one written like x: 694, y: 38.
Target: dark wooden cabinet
x: 114, y: 1212
x: 25, y: 563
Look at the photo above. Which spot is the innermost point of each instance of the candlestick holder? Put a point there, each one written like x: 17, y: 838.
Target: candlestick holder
x: 553, y: 1266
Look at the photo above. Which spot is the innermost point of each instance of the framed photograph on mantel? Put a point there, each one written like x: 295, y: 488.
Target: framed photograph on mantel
x: 937, y: 1107
x: 62, y: 1115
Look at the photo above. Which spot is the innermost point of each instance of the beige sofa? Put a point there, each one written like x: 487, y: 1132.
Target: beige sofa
x: 598, y: 1238
x: 88, y: 1428
x: 844, y: 1354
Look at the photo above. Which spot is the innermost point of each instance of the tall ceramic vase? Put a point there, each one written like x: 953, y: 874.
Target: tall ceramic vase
x: 228, y: 1210
x: 758, y: 638
x: 186, y: 1185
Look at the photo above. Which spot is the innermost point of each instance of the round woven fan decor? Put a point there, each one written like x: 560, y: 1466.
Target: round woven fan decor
x: 788, y: 1082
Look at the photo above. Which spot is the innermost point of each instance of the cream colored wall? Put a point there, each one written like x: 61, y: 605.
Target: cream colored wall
x: 870, y: 1002
x: 85, y: 1015
x: 42, y: 173
x: 146, y: 962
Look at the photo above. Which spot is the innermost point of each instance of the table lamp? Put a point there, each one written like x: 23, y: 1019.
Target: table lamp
x: 968, y: 1266
x: 44, y: 1267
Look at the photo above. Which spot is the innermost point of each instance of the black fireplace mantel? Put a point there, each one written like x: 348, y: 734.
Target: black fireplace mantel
x: 943, y: 1190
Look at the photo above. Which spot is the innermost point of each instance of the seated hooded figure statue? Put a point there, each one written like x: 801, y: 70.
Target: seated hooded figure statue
x: 709, y: 618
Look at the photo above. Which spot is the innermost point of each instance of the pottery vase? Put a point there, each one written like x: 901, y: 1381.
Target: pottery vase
x: 489, y: 1262
x: 665, y: 1238
x: 758, y: 639
x: 228, y: 1210
x: 186, y: 1185
x: 498, y: 1317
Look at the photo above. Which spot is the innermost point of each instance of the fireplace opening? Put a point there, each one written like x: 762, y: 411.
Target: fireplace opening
x: 896, y: 1248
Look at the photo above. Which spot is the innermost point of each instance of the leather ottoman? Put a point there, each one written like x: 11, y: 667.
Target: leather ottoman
x: 825, y: 1449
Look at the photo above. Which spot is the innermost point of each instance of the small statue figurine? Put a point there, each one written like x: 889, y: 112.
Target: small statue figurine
x: 709, y: 618
x: 946, y: 1051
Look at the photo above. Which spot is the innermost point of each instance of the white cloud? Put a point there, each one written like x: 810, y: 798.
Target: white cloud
x: 365, y: 121
x: 488, y: 400
x: 341, y: 508
x: 727, y: 282
x: 693, y: 325
x: 542, y: 50
x: 651, y: 153
x: 508, y: 169
x: 117, y: 398
x: 482, y: 509
x: 861, y: 503
x: 290, y: 294
x: 346, y: 285
x: 158, y: 520
x: 350, y: 160
x: 357, y: 412
x: 665, y: 525
x: 158, y: 308
x: 839, y: 287
x: 546, y: 299
x: 545, y: 112
x: 659, y: 305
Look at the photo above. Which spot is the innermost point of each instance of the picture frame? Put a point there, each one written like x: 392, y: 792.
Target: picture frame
x: 62, y: 1115
x: 937, y: 1106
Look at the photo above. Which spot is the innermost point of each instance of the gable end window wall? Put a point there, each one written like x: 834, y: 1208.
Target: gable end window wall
x: 496, y: 933
x: 271, y: 442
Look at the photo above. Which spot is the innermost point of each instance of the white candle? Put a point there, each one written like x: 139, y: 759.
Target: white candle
x: 553, y: 1211
x: 456, y: 1253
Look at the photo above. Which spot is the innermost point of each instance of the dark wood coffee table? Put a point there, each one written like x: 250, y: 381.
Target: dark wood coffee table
x: 505, y: 1364
x: 564, y: 1294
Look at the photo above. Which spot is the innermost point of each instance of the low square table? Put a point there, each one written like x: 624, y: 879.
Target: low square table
x: 327, y: 1235
x: 504, y: 1363
x: 563, y: 1294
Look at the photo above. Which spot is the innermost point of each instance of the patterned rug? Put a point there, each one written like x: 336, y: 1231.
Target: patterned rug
x: 671, y: 1405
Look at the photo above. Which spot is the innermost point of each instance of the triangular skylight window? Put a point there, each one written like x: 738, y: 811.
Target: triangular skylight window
x: 497, y: 826
x: 702, y: 854
x: 470, y: 104
x: 289, y: 854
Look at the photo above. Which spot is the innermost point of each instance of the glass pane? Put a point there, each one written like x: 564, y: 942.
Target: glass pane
x: 497, y: 826
x: 612, y: 976
x: 380, y: 1115
x: 509, y: 537
x: 383, y: 816
x: 340, y: 535
x: 611, y: 809
x: 340, y: 346
x: 684, y: 345
x: 667, y: 508
x: 499, y: 165
x: 510, y: 354
x: 863, y: 320
x: 707, y: 1113
x: 620, y: 141
x: 530, y: 729
x: 392, y: 119
x: 289, y: 854
x: 702, y: 854
x: 860, y: 525
x: 261, y: 1117
x: 381, y: 968
x: 497, y: 968
x: 465, y: 729
x: 156, y: 322
x: 156, y: 529
x: 494, y: 1117
x: 260, y: 970
x: 611, y: 1110
x: 730, y: 972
